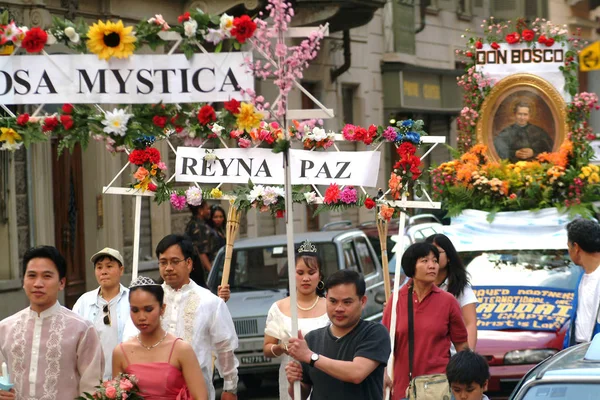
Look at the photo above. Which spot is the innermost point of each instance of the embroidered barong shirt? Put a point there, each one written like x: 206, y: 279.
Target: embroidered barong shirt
x: 203, y: 320
x: 55, y: 355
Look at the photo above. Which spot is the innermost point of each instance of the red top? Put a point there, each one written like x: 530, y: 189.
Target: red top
x: 437, y: 322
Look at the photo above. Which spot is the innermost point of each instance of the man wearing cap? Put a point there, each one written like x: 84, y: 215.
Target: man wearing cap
x: 107, y: 307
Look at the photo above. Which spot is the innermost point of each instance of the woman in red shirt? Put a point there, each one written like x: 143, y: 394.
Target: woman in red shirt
x: 437, y: 320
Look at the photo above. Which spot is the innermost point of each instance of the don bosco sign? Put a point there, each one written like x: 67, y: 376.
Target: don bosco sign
x: 150, y: 79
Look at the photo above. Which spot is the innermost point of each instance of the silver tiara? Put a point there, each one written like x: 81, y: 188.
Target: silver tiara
x: 307, y: 247
x: 142, y: 281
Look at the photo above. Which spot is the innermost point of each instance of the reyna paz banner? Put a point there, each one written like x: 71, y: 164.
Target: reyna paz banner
x: 262, y: 166
x: 146, y: 79
x: 524, y: 307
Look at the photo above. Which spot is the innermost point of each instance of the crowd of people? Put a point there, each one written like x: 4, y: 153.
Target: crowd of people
x: 170, y: 334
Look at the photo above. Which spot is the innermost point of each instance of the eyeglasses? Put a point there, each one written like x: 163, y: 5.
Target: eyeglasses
x: 174, y: 262
x: 106, y: 311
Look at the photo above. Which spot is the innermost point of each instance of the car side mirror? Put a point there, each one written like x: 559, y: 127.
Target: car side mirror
x: 380, y: 298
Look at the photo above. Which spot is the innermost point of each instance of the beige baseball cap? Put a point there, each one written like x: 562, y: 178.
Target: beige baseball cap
x: 107, y: 251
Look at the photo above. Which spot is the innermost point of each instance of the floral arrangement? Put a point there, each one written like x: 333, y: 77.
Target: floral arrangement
x: 263, y: 198
x: 109, y: 39
x: 150, y: 172
x: 311, y: 134
x: 193, y: 196
x: 122, y: 387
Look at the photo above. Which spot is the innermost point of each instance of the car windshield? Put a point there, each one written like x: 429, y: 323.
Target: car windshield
x: 266, y: 268
x: 538, y: 268
x: 563, y: 391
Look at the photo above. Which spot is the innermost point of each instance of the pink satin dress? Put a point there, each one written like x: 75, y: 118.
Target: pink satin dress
x: 159, y: 380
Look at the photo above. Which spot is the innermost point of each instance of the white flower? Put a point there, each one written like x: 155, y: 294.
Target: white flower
x: 190, y: 27
x: 193, y: 196
x: 226, y: 23
x: 210, y: 156
x: 116, y: 122
x: 70, y: 32
x: 51, y: 39
x: 217, y: 129
x: 271, y: 194
x: 318, y: 134
x: 310, y: 197
x: 11, y: 147
x: 75, y: 39
x: 12, y: 33
x: 256, y: 192
x: 214, y: 36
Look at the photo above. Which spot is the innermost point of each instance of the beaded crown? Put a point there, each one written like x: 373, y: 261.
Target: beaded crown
x: 307, y: 247
x: 142, y: 281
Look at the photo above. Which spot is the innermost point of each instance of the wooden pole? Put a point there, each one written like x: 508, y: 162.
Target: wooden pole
x: 233, y: 224
x: 136, y: 237
x: 382, y: 228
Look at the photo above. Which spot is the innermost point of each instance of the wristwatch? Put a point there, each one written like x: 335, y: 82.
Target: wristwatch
x: 314, y: 357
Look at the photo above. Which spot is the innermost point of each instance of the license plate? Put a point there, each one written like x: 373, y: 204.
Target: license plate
x: 255, y: 360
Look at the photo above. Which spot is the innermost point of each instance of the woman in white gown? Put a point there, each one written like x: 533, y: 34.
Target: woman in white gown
x: 312, y: 312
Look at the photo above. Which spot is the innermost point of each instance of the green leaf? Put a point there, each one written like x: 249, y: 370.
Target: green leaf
x: 219, y: 47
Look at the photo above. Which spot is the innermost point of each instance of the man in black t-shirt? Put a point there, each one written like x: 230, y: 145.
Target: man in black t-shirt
x: 345, y: 360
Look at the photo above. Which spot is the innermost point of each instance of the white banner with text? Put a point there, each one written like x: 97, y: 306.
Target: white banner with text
x: 141, y: 79
x: 262, y: 166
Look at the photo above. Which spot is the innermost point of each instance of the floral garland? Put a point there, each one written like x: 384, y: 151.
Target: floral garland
x: 109, y: 39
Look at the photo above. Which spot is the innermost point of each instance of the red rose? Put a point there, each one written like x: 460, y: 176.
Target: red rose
x: 280, y: 214
x: 153, y: 155
x: 469, y: 54
x: 332, y: 194
x: 206, y: 115
x: 233, y: 106
x: 66, y: 121
x: 179, y: 129
x: 528, y: 35
x: 184, y: 17
x: 152, y: 187
x: 406, y: 149
x: 23, y: 119
x: 67, y: 108
x: 495, y: 46
x: 159, y: 121
x: 370, y: 203
x: 542, y: 39
x: 243, y: 28
x: 513, y: 38
x: 478, y: 45
x: 50, y: 124
x: 34, y: 41
x: 549, y: 42
x: 138, y: 157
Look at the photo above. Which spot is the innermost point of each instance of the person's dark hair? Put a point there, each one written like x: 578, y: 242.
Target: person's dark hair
x: 346, y: 276
x: 413, y: 253
x: 155, y: 290
x: 197, y: 274
x: 466, y: 367
x: 312, y: 261
x: 110, y: 258
x: 213, y: 209
x: 185, y: 244
x: 457, y: 274
x: 586, y: 233
x: 195, y: 209
x: 521, y: 104
x: 49, y: 252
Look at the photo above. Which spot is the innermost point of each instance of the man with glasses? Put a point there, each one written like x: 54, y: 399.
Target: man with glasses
x: 196, y: 315
x: 107, y: 307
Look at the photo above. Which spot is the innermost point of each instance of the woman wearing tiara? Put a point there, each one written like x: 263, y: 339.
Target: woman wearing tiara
x: 312, y: 312
x: 166, y: 367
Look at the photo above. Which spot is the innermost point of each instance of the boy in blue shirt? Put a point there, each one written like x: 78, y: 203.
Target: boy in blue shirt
x: 468, y: 374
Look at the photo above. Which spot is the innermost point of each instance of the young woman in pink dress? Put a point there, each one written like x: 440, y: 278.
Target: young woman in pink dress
x: 165, y: 366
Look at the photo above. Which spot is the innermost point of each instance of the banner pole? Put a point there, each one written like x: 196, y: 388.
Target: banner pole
x: 136, y: 237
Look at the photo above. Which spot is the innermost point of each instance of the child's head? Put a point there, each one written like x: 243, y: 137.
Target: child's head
x: 468, y: 374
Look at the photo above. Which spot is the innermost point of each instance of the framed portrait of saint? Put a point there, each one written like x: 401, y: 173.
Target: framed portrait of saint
x: 522, y: 116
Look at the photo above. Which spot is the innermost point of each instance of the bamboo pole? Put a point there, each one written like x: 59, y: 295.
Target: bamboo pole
x: 382, y: 228
x: 233, y: 225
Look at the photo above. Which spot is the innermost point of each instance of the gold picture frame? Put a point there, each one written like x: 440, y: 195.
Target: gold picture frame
x: 502, y: 113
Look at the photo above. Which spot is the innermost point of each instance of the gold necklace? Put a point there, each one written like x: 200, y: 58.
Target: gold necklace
x: 154, y: 345
x: 309, y: 308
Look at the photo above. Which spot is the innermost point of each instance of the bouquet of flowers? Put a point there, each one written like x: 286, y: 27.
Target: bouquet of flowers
x: 122, y: 387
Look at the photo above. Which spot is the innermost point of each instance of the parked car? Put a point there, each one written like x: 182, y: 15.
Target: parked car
x: 259, y: 277
x: 572, y: 374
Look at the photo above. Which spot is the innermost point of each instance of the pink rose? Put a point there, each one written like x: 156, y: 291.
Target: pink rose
x: 111, y: 392
x: 125, y: 385
x: 244, y: 143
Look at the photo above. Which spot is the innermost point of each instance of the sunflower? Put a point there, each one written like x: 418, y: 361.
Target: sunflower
x: 111, y: 40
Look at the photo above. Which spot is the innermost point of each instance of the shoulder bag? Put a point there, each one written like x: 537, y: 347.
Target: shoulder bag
x: 425, y: 387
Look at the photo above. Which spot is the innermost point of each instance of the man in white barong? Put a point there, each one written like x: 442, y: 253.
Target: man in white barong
x: 107, y: 306
x: 52, y: 353
x: 196, y: 315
